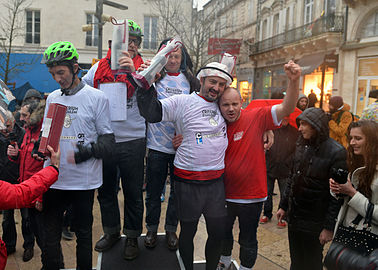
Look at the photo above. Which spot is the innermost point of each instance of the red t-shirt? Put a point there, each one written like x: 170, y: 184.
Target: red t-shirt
x: 245, y: 168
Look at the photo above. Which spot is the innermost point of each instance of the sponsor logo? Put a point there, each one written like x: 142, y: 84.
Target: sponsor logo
x: 211, y: 113
x: 199, y: 138
x: 238, y: 136
x: 173, y: 91
x: 72, y: 109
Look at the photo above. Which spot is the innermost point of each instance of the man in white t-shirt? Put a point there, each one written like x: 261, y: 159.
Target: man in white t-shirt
x: 176, y: 79
x: 199, y: 161
x: 86, y: 139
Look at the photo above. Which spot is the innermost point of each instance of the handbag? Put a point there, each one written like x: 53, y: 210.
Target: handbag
x: 353, y: 249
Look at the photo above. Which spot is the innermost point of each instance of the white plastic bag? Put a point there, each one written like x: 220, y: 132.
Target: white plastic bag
x: 146, y: 77
x: 120, y: 43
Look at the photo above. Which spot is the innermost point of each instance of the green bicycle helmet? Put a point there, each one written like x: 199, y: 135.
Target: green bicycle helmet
x: 58, y: 52
x: 134, y: 29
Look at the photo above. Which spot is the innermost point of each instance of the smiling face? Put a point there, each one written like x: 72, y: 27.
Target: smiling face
x: 212, y: 87
x: 230, y: 105
x: 307, y: 130
x: 357, y: 141
x: 174, y: 61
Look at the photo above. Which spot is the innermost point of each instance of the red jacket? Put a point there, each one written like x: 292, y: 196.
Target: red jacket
x: 29, y: 165
x: 104, y: 73
x: 20, y: 196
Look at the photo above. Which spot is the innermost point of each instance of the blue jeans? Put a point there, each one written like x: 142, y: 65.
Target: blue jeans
x: 129, y: 158
x: 248, y: 215
x: 156, y: 174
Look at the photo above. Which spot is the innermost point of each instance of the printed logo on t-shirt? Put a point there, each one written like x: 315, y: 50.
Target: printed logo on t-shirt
x: 238, y: 135
x: 211, y: 113
x: 173, y: 91
x: 199, y: 138
x: 68, y: 120
x: 213, y: 122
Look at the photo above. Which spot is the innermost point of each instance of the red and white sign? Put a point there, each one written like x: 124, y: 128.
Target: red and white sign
x: 222, y: 45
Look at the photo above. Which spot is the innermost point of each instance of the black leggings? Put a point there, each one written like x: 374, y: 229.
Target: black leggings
x: 215, y: 232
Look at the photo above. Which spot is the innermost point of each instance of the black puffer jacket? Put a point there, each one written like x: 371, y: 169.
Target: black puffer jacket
x: 307, y: 198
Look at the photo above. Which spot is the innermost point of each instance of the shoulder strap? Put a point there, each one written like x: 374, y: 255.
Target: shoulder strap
x: 339, y: 117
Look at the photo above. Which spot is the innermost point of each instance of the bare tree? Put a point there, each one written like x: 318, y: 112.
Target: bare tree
x: 193, y: 27
x: 11, y: 28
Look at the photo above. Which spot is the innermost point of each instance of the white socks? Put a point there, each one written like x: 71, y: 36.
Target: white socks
x: 226, y: 260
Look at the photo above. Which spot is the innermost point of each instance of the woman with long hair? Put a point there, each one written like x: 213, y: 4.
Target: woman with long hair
x: 362, y: 185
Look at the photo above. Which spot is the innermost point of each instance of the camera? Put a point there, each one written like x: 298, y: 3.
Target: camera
x: 339, y: 175
x: 12, y: 138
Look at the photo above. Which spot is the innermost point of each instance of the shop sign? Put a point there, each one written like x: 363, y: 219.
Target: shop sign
x: 221, y: 45
x: 368, y: 67
x: 332, y: 60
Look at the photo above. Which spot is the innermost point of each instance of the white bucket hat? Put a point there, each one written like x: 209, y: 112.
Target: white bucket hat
x: 215, y: 69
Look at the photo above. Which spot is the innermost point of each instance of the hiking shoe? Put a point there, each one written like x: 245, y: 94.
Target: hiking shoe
x: 221, y: 266
x: 67, y: 234
x: 264, y: 219
x: 107, y: 241
x: 281, y: 224
x: 28, y: 254
x: 131, y: 249
x: 150, y: 240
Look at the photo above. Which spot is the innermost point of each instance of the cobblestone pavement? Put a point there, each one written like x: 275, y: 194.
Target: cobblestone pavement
x: 273, y: 250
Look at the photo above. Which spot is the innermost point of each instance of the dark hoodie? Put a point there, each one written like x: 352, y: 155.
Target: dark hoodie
x: 307, y: 198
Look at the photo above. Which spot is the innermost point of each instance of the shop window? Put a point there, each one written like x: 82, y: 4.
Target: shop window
x: 250, y: 11
x: 91, y: 38
x: 150, y: 33
x: 313, y: 82
x: 33, y: 26
x: 245, y: 92
x: 370, y: 28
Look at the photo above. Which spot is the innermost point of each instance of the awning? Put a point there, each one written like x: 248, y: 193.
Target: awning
x: 309, y: 63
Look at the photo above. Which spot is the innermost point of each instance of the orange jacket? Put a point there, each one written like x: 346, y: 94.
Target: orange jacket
x: 338, y: 125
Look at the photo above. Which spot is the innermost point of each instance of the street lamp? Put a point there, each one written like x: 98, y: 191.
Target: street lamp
x: 99, y: 10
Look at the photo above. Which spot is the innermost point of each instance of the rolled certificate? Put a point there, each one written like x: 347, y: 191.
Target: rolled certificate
x: 146, y: 77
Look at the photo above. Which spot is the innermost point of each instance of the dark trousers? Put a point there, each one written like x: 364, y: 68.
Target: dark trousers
x: 192, y: 200
x: 9, y: 229
x: 156, y: 174
x: 306, y: 252
x: 55, y: 203
x: 129, y: 158
x: 38, y: 229
x: 268, y: 204
x: 248, y: 215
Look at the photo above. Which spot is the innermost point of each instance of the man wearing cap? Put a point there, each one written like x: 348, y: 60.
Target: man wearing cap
x: 340, y: 120
x: 199, y: 160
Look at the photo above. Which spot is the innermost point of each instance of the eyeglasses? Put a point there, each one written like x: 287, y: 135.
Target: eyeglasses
x: 136, y: 41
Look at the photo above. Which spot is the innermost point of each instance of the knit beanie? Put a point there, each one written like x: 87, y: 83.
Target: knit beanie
x: 32, y: 93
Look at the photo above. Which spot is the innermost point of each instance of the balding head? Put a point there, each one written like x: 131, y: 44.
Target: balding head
x: 230, y: 104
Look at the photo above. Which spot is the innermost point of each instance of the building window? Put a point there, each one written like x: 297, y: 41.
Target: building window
x: 150, y: 33
x: 309, y: 4
x: 33, y: 26
x: 276, y: 24
x: 370, y: 28
x: 250, y: 11
x: 330, y: 7
x: 91, y: 38
x: 265, y: 29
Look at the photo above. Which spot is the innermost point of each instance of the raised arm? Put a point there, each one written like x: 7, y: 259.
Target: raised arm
x: 293, y: 72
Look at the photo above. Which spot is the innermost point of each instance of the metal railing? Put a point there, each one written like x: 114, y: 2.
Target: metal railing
x: 326, y: 24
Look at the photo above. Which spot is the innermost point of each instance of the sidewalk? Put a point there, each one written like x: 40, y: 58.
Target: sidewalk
x: 273, y: 253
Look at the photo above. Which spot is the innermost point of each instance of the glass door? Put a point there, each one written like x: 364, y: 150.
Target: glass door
x: 365, y: 86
